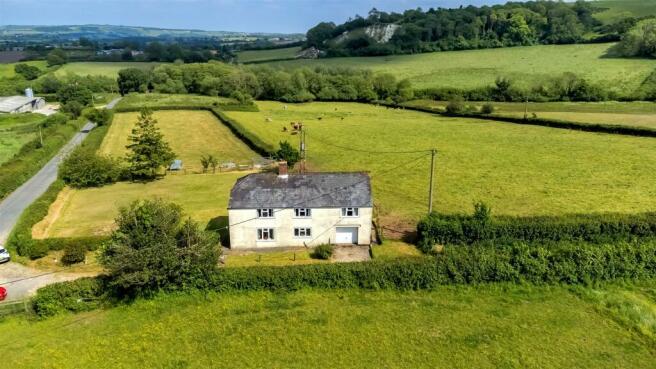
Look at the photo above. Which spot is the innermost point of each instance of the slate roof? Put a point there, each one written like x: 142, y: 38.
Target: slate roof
x: 309, y: 190
x: 11, y: 103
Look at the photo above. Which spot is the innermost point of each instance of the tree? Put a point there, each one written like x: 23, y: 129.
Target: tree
x: 74, y: 92
x: 57, y: 57
x: 98, y: 116
x: 29, y: 72
x: 208, y: 161
x: 318, y: 35
x: 639, y: 40
x: 288, y: 153
x: 148, y: 150
x: 132, y: 80
x: 153, y: 249
x: 84, y: 168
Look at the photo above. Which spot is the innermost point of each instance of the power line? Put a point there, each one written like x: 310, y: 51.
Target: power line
x: 27, y: 278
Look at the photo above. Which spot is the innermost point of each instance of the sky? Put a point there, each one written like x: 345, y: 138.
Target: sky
x: 283, y: 16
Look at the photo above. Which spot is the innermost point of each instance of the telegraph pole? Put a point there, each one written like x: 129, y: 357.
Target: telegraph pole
x: 303, y: 152
x: 432, y: 174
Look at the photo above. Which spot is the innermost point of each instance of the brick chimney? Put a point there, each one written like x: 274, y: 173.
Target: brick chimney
x: 282, y: 170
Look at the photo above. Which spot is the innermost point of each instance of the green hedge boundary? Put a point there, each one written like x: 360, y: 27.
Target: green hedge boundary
x: 551, y: 123
x: 596, y: 228
x: 565, y: 263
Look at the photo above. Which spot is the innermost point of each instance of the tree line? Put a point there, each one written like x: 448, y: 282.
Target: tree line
x: 471, y: 27
x: 261, y: 82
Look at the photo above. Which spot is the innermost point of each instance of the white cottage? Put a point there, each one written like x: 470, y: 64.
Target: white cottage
x: 281, y: 210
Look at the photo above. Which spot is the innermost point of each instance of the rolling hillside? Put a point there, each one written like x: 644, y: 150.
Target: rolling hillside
x: 618, y: 9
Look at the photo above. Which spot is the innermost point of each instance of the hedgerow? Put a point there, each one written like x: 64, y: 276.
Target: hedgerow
x: 566, y: 263
x: 595, y: 228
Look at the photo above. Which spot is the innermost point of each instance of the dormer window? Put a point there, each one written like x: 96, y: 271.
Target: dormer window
x: 302, y: 213
x: 265, y: 213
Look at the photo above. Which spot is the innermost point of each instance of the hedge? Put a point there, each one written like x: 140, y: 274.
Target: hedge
x: 462, y: 229
x: 566, y: 263
x: 551, y: 123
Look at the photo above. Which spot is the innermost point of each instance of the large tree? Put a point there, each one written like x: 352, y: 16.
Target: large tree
x: 132, y: 80
x: 148, y: 150
x: 153, y: 248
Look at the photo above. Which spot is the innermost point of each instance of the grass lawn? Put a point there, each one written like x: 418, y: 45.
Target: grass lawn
x: 636, y: 114
x: 269, y: 258
x: 392, y: 249
x: 155, y: 100
x: 15, y: 131
x: 455, y: 327
x: 106, y: 69
x: 525, y: 65
x: 87, y: 212
x: 518, y: 170
x: 250, y: 56
x: 7, y: 70
x: 191, y: 134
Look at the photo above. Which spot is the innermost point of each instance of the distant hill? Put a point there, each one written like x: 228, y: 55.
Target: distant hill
x: 615, y: 10
x: 109, y: 32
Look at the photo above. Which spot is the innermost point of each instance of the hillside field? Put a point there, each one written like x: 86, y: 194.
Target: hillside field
x: 7, y: 70
x: 477, y: 68
x: 517, y: 169
x: 451, y: 327
x: 106, y: 69
x: 15, y: 131
x: 250, y: 56
x: 634, y: 114
x: 619, y: 9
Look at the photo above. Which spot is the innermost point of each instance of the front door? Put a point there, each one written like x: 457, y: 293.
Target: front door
x: 346, y: 235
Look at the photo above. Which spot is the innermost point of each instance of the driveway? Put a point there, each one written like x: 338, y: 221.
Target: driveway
x: 21, y: 281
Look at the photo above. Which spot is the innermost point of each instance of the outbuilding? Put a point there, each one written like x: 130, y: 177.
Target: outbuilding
x: 21, y: 104
x: 309, y: 209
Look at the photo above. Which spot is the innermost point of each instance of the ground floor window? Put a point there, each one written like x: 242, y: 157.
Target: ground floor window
x: 265, y: 234
x: 302, y: 232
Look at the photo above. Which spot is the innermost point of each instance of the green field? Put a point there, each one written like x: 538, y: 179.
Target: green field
x: 7, y: 70
x: 155, y: 100
x: 106, y: 69
x: 191, y: 134
x: 251, y: 56
x: 525, y: 65
x: 15, y: 131
x: 619, y: 9
x: 517, y: 169
x: 635, y: 114
x: 457, y: 327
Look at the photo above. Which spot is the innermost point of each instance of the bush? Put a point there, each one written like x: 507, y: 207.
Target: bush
x: 322, y: 252
x: 456, y: 106
x: 461, y: 229
x: 83, y: 168
x: 73, y: 254
x: 487, y: 108
x: 76, y: 296
x: 98, y: 116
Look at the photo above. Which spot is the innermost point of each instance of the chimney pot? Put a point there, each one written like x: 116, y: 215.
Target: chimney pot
x: 282, y: 169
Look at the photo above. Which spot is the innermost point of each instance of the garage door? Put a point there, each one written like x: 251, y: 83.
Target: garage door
x: 347, y: 235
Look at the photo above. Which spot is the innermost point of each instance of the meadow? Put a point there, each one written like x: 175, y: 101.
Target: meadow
x: 155, y: 100
x: 634, y: 114
x: 106, y: 69
x: 516, y: 169
x: 478, y: 68
x: 619, y: 9
x: 7, y: 70
x: 251, y: 56
x: 191, y: 135
x: 491, y: 326
x: 16, y: 130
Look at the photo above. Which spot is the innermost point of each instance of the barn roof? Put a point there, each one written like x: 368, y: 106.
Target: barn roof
x: 11, y: 103
x: 309, y: 190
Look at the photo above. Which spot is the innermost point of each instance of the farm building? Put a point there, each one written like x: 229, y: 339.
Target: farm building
x: 21, y: 104
x: 310, y: 209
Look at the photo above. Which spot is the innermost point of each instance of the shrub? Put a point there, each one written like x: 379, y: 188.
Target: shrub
x: 74, y: 253
x: 37, y: 250
x: 83, y: 168
x: 80, y: 295
x: 323, y: 252
x: 487, y: 108
x: 456, y: 106
x: 98, y: 116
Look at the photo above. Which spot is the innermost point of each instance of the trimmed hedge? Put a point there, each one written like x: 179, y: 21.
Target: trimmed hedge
x: 551, y: 123
x: 253, y: 141
x: 462, y: 229
x: 567, y: 263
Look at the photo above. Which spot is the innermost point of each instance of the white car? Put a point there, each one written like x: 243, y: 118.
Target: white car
x: 4, y: 255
